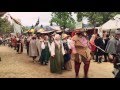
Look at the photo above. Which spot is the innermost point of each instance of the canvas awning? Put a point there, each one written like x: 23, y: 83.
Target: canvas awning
x: 55, y: 27
x: 41, y: 30
x: 112, y: 24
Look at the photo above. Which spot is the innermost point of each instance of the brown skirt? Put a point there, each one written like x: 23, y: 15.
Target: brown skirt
x: 79, y: 58
x: 68, y: 65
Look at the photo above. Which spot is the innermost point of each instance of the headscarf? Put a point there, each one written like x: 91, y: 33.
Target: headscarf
x: 57, y: 37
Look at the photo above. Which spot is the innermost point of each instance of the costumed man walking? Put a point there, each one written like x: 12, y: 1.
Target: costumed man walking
x: 113, y: 50
x: 106, y: 39
x: 82, y: 53
x: 99, y: 53
x: 28, y: 41
x: 19, y: 46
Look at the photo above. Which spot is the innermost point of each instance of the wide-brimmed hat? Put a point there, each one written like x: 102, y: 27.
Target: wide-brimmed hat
x: 53, y: 34
x: 64, y: 36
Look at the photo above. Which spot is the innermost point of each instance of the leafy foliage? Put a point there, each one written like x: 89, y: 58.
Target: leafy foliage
x: 5, y: 26
x: 63, y: 19
x: 96, y: 18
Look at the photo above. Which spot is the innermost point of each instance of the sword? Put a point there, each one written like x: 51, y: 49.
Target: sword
x: 98, y: 47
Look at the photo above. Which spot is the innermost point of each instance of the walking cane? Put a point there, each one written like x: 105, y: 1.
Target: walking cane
x: 98, y: 47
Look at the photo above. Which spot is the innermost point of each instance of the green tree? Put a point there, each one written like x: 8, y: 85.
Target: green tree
x: 5, y: 26
x: 63, y: 19
x: 25, y: 28
x: 96, y: 18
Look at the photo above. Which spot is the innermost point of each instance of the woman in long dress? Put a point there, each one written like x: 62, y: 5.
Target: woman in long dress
x: 33, y: 52
x: 67, y: 56
x: 45, y: 53
x: 38, y: 43
x: 57, y: 53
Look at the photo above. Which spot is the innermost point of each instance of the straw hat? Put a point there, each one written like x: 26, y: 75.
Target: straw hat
x: 78, y: 31
x: 64, y: 36
x: 32, y: 30
x: 53, y: 34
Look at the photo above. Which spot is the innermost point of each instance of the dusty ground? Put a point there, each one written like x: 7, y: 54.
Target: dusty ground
x: 15, y: 65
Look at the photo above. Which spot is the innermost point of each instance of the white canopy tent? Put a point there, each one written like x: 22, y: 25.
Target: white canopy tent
x: 55, y: 27
x: 112, y: 24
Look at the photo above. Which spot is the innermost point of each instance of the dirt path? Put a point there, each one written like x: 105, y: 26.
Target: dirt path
x: 15, y: 65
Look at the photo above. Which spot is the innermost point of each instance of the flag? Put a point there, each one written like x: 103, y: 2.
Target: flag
x: 16, y: 21
x: 37, y: 23
x: 17, y: 28
x: 17, y: 25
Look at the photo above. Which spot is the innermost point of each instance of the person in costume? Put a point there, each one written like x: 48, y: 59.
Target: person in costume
x: 113, y: 50
x: 93, y: 48
x: 45, y: 53
x: 67, y: 56
x: 105, y: 39
x: 38, y: 43
x: 82, y: 53
x: 57, y: 53
x: 19, y: 46
x: 33, y: 52
x: 99, y: 53
x: 29, y: 37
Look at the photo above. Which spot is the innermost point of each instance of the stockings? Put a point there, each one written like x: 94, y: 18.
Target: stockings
x: 86, y: 68
x: 77, y: 67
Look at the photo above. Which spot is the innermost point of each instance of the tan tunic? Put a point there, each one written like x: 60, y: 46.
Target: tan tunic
x: 82, y: 50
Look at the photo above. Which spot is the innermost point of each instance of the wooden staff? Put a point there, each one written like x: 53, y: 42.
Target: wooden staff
x: 98, y: 47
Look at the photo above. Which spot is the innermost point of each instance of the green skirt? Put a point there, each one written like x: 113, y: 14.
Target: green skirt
x: 45, y: 55
x: 56, y: 63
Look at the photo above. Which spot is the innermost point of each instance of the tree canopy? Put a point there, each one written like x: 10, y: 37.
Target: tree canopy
x: 63, y: 19
x: 5, y: 26
x: 96, y: 18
